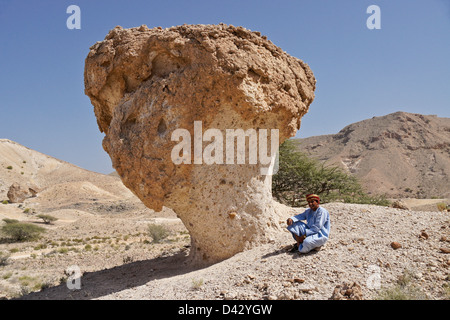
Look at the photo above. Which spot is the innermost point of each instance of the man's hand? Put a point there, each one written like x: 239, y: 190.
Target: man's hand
x: 289, y: 221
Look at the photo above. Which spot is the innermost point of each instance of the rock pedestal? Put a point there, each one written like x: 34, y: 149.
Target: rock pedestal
x: 173, y: 104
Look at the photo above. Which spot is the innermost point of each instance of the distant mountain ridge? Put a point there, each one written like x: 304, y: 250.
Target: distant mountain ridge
x: 27, y: 167
x: 400, y: 154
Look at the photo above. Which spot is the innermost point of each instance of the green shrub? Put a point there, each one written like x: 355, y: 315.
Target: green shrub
x: 19, y: 231
x: 9, y: 167
x: 5, y: 201
x: 8, y: 221
x: 441, y: 206
x: 366, y: 199
x: 404, y: 289
x: 4, y: 258
x: 157, y: 232
x: 47, y: 218
x: 197, y: 284
x: 299, y: 175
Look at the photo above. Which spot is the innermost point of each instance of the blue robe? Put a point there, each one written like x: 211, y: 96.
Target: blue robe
x: 316, y: 228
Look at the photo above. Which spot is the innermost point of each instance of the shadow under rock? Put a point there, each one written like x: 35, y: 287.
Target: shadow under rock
x: 104, y: 282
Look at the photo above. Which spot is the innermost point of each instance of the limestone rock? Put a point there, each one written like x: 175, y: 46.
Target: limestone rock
x: 347, y: 291
x: 400, y: 204
x: 395, y: 245
x: 18, y: 193
x: 145, y: 84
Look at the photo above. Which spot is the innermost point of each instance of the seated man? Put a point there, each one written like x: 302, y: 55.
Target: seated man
x: 314, y: 233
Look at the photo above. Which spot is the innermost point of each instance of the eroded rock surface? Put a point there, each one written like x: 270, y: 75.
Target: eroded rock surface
x: 147, y: 83
x: 18, y: 193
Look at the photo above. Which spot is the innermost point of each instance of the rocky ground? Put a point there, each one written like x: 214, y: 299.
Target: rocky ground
x: 117, y: 259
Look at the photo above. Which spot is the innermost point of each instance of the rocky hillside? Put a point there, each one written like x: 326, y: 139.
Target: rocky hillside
x: 54, y: 180
x: 400, y: 154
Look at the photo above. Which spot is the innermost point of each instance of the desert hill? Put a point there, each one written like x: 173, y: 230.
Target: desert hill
x: 29, y: 167
x: 63, y: 190
x: 400, y: 154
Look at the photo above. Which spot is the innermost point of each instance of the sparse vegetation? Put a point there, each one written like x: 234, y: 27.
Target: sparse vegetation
x: 4, y: 258
x: 299, y: 175
x: 404, y: 289
x: 157, y: 232
x: 27, y: 210
x: 8, y: 220
x: 5, y: 201
x: 9, y: 167
x: 197, y: 284
x: 442, y: 206
x: 19, y: 231
x: 48, y: 219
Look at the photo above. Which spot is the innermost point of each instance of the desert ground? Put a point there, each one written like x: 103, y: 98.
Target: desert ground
x: 109, y: 244
x: 101, y: 241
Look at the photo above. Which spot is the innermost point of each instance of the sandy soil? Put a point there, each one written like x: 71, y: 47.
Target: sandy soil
x: 122, y: 263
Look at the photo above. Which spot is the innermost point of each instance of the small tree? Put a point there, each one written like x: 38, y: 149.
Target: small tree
x: 299, y: 175
x: 47, y: 218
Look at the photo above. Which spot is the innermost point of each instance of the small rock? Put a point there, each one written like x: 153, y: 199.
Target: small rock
x: 424, y: 235
x: 445, y: 250
x: 299, y: 280
x: 347, y: 291
x: 399, y: 204
x: 306, y: 290
x: 395, y: 245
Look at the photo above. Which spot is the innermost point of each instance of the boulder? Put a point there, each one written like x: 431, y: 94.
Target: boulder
x: 18, y: 193
x: 187, y: 113
x: 400, y: 204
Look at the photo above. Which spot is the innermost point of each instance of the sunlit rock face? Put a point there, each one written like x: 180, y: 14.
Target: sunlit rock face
x: 173, y: 104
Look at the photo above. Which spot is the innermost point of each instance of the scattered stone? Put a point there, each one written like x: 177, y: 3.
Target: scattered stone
x: 395, y: 245
x: 400, y: 204
x: 347, y: 291
x: 445, y: 250
x: 424, y: 235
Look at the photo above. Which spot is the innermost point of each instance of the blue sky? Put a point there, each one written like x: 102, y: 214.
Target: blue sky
x: 361, y: 73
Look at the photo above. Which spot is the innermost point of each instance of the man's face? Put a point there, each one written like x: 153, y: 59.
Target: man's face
x: 313, y: 204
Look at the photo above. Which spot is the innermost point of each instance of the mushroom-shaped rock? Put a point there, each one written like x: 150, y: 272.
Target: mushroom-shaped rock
x: 192, y: 116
